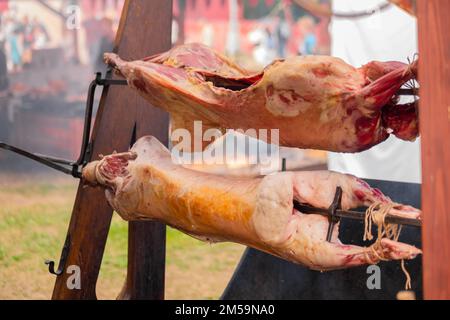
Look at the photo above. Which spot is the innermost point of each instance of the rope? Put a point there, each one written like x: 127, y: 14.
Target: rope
x: 408, y: 277
x: 376, y: 214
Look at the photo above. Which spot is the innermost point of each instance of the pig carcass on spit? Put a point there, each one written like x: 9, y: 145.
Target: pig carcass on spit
x: 144, y: 183
x: 317, y: 102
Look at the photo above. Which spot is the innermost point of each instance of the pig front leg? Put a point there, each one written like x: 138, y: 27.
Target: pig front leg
x: 301, y: 238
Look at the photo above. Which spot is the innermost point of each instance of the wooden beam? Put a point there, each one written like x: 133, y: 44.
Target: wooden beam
x: 147, y: 240
x: 434, y: 76
x: 144, y: 29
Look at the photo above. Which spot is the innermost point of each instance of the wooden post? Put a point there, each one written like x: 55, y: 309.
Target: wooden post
x: 434, y: 76
x: 144, y: 29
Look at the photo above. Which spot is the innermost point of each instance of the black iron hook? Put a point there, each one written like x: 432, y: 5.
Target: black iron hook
x: 62, y: 260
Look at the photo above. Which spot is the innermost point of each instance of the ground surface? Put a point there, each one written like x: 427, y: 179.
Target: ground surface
x: 34, y: 215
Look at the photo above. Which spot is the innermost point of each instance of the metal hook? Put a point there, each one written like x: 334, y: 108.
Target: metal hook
x: 62, y: 260
x: 333, y: 218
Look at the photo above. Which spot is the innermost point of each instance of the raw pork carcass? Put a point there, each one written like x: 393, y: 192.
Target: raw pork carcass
x: 144, y: 183
x: 317, y: 102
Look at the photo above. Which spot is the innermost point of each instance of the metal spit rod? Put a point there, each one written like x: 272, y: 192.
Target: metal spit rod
x: 356, y: 215
x: 70, y: 167
x: 74, y: 167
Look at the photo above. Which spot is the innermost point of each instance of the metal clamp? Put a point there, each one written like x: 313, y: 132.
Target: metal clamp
x: 62, y: 260
x: 72, y: 168
x: 332, y: 217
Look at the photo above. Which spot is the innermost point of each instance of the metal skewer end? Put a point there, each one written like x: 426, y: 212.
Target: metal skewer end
x: 333, y: 218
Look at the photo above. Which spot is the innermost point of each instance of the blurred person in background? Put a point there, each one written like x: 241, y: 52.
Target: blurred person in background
x: 40, y: 35
x: 93, y: 31
x: 3, y: 59
x: 27, y: 35
x: 387, y: 35
x: 269, y: 41
x: 309, y: 43
x: 68, y: 46
x: 263, y: 51
x: 4, y: 82
x: 283, y: 33
x: 11, y: 34
x: 106, y: 43
x: 175, y: 31
x: 207, y: 34
x: 4, y: 86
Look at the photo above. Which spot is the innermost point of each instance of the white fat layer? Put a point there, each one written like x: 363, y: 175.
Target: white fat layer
x: 274, y: 207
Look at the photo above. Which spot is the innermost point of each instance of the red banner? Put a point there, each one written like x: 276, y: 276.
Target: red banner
x: 3, y: 5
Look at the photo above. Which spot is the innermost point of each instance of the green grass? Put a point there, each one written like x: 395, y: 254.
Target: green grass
x: 34, y: 217
x: 33, y: 189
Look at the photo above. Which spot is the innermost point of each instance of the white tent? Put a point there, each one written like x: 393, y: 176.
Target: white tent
x: 387, y: 35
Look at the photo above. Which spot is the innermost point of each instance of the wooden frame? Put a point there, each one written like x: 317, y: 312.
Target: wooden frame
x: 144, y: 29
x: 434, y: 75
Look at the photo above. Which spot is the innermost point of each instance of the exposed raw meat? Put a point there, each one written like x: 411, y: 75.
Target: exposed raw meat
x: 317, y: 102
x: 144, y: 183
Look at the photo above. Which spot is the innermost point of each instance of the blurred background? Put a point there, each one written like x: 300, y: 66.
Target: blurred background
x: 49, y: 52
x: 52, y: 49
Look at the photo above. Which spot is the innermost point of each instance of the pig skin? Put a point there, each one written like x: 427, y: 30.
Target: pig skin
x: 145, y: 184
x: 317, y: 102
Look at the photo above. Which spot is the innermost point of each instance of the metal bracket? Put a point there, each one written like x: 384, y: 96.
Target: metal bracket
x: 72, y: 168
x: 62, y: 260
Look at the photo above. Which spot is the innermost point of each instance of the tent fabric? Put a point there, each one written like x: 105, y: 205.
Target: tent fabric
x: 384, y: 36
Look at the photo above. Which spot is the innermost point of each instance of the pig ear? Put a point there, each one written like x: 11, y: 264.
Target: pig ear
x: 157, y: 82
x: 380, y: 92
x: 198, y: 57
x: 175, y: 85
x: 377, y: 69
